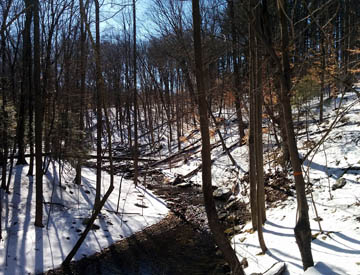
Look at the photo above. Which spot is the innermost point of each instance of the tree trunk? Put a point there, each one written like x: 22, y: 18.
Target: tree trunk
x: 257, y: 195
x: 214, y: 224
x: 252, y: 127
x: 82, y: 86
x: 135, y: 149
x: 5, y: 116
x: 322, y: 81
x: 260, y: 194
x: 38, y: 117
x: 26, y: 86
x: 302, y: 228
x: 235, y: 57
x: 99, y: 89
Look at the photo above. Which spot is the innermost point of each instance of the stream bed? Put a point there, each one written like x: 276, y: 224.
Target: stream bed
x: 180, y: 244
x: 169, y: 247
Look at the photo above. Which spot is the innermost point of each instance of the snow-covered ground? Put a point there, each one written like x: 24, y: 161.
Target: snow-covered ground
x: 29, y: 250
x: 337, y: 249
x: 26, y: 249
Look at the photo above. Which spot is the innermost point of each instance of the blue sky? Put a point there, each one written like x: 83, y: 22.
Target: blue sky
x: 114, y: 23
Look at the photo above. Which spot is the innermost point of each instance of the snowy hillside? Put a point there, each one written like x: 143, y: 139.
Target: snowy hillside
x: 336, y: 246
x: 26, y: 249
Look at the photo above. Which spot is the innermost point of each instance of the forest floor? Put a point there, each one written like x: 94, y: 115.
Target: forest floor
x: 332, y: 173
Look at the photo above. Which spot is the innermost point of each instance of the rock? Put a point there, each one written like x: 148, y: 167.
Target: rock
x: 179, y: 179
x: 184, y: 184
x: 232, y: 218
x: 234, y: 230
x: 233, y: 205
x: 222, y: 193
x: 244, y: 263
x: 222, y: 216
x: 340, y: 183
x: 232, y: 198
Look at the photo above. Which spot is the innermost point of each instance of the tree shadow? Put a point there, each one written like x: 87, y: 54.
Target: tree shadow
x: 27, y: 220
x: 277, y: 225
x: 336, y: 248
x: 332, y: 172
x: 12, y: 252
x: 39, y: 250
x: 346, y: 238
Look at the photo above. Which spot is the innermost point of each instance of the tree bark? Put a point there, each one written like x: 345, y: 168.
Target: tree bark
x: 214, y: 224
x: 252, y: 126
x: 99, y: 89
x: 235, y: 57
x: 302, y: 228
x: 136, y: 146
x: 26, y: 88
x: 38, y: 117
x: 82, y: 86
x: 5, y: 117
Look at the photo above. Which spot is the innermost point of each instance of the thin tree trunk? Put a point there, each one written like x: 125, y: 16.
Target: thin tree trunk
x: 302, y: 228
x: 28, y: 83
x: 82, y: 86
x: 38, y: 118
x: 135, y: 149
x: 26, y: 86
x: 99, y: 89
x: 98, y: 205
x: 235, y: 57
x: 252, y: 126
x: 322, y: 81
x: 5, y: 118
x: 214, y: 224
x: 260, y: 193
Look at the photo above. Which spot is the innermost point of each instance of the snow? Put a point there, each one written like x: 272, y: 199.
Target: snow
x: 335, y: 248
x: 29, y: 250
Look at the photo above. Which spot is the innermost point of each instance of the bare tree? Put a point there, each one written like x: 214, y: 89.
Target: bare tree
x: 302, y: 229
x: 136, y: 146
x: 38, y: 117
x: 99, y: 117
x: 214, y: 224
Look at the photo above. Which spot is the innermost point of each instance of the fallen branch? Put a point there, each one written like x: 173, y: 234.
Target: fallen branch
x: 90, y: 157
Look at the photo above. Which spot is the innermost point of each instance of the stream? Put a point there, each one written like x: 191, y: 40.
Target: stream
x: 180, y: 244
